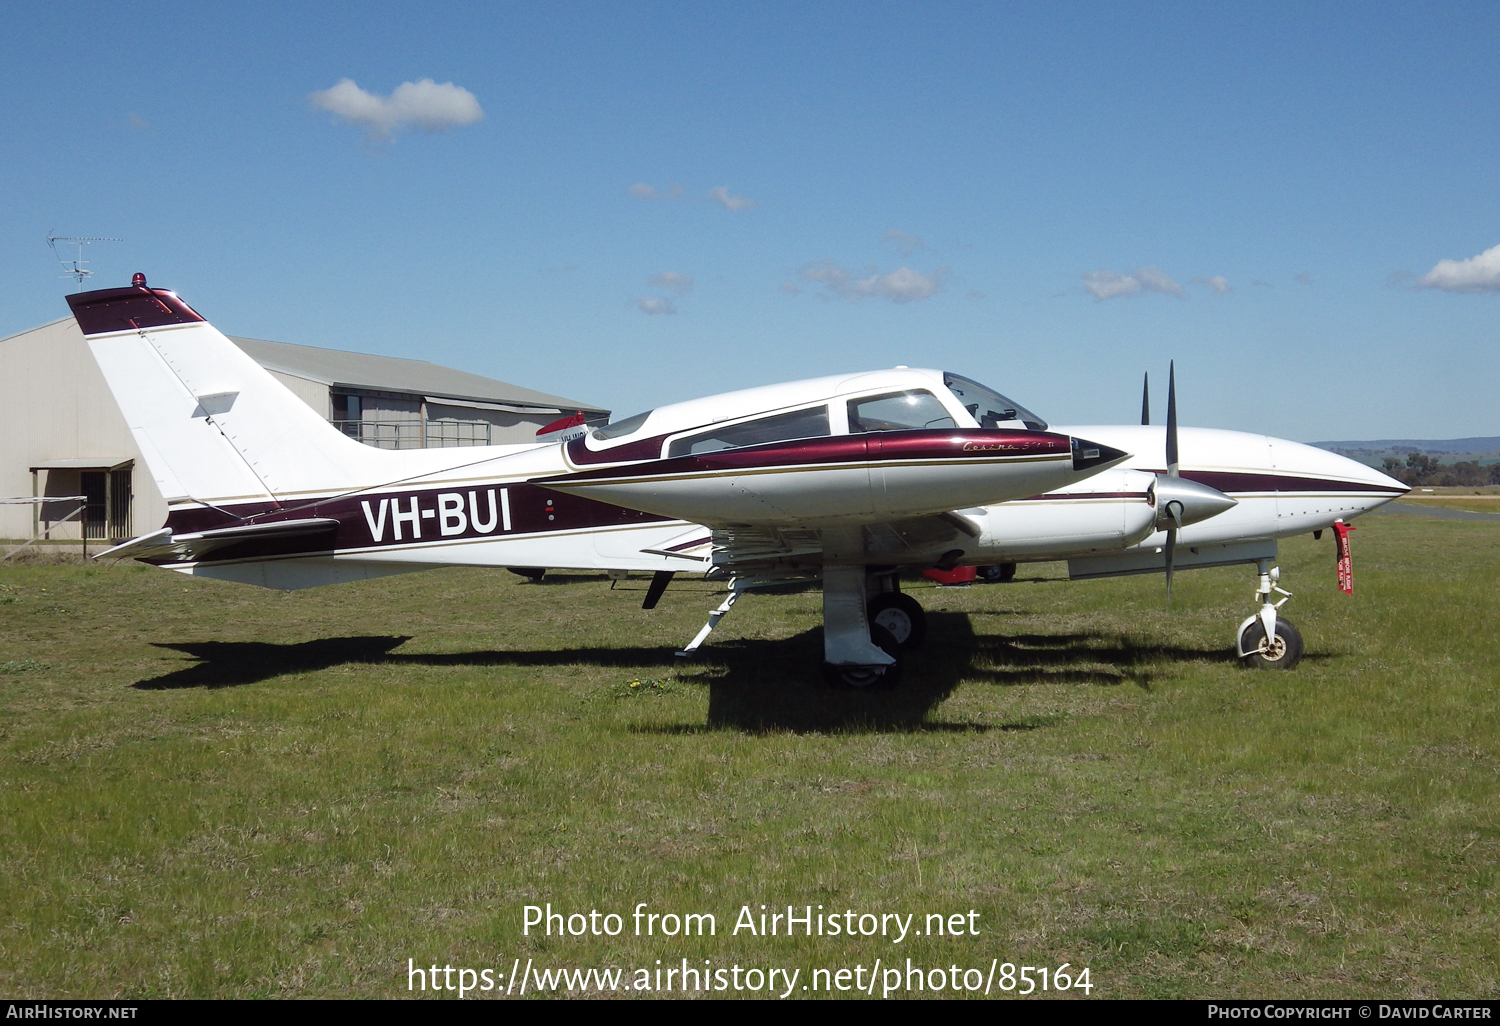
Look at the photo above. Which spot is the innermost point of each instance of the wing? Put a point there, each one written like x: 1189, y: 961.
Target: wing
x: 920, y: 541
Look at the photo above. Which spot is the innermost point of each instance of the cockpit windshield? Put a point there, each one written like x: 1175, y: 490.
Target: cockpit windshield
x: 989, y: 407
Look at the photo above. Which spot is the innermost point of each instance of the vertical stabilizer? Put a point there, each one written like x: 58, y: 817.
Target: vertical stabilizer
x: 211, y: 423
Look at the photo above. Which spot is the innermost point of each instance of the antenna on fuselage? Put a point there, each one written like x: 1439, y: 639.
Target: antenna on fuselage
x: 1146, y: 399
x: 77, y: 271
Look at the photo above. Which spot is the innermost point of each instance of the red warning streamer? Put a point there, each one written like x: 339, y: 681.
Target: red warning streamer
x: 1341, y: 549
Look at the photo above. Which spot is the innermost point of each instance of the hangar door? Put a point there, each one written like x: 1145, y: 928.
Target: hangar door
x: 107, y: 514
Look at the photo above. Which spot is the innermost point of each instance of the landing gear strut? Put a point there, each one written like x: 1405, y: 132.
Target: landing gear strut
x: 852, y: 653
x: 1267, y: 641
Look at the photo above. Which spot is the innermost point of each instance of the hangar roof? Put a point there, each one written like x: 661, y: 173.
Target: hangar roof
x: 334, y: 367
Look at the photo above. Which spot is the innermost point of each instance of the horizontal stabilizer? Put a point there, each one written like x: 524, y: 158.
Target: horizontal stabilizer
x: 694, y: 545
x: 194, y: 545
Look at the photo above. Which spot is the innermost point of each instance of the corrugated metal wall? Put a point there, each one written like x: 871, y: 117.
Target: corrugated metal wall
x: 55, y: 405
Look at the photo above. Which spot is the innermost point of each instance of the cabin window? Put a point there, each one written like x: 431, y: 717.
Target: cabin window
x: 898, y: 411
x: 783, y: 427
x: 621, y: 428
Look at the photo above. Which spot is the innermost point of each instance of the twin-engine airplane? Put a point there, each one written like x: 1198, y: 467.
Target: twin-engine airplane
x: 846, y: 478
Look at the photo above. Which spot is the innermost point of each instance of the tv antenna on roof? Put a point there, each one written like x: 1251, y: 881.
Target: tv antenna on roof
x: 78, y: 270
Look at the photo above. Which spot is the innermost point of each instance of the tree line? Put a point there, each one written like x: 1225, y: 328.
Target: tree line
x: 1421, y: 469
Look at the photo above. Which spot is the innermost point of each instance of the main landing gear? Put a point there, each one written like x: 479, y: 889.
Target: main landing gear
x: 1267, y: 641
x: 867, y: 624
x: 853, y: 653
x: 901, y: 616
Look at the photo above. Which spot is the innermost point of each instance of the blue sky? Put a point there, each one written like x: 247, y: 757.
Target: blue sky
x: 1259, y: 191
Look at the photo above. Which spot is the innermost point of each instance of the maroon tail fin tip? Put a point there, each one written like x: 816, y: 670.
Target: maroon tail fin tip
x: 106, y: 310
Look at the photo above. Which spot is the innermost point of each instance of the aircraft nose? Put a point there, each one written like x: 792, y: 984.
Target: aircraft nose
x: 1194, y: 502
x: 1310, y: 461
x: 1094, y: 456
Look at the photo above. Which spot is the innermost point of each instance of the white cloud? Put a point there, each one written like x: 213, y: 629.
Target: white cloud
x: 641, y: 190
x: 721, y: 195
x: 974, y: 294
x: 907, y: 244
x: 423, y: 105
x: 903, y: 285
x: 790, y: 288
x: 1109, y: 285
x: 1218, y: 283
x: 681, y: 284
x: 655, y: 305
x: 1302, y: 278
x: 1476, y: 274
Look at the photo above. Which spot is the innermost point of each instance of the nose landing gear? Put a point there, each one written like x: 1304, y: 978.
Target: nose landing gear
x: 1267, y: 641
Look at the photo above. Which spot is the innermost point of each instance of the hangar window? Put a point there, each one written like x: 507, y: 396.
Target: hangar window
x: 783, y: 427
x: 898, y: 411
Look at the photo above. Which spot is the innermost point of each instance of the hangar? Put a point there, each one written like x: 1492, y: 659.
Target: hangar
x: 62, y: 435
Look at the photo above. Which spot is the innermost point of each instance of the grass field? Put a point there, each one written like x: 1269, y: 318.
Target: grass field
x: 1474, y: 502
x: 212, y: 790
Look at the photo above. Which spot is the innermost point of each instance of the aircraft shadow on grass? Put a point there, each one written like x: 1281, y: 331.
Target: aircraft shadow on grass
x: 753, y: 684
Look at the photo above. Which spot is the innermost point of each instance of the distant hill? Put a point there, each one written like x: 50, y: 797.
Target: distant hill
x: 1449, y: 450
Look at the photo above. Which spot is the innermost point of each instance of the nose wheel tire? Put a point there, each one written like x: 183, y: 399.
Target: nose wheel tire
x: 1279, y: 653
x: 902, y: 616
x: 868, y: 678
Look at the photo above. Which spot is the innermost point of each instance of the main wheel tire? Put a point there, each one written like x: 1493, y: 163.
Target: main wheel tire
x: 1281, y: 653
x: 998, y: 573
x: 902, y: 616
x: 868, y: 678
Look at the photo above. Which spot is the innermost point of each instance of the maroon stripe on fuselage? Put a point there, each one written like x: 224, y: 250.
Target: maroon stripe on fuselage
x: 105, y: 310
x: 533, y: 510
x: 916, y: 445
x: 1228, y: 481
x: 1054, y: 496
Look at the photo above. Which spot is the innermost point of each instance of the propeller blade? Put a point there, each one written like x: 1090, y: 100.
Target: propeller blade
x: 1146, y: 399
x: 1172, y: 420
x: 1171, y: 551
x: 1175, y: 509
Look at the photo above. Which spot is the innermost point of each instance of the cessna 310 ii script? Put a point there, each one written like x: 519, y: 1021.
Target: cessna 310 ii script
x: 844, y: 478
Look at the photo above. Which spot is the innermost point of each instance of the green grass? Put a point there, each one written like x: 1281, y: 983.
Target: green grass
x: 212, y: 790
